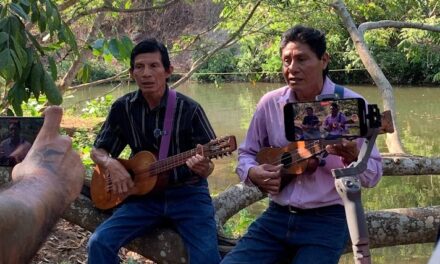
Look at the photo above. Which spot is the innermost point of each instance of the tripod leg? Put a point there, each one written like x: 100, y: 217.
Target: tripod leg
x: 349, y: 188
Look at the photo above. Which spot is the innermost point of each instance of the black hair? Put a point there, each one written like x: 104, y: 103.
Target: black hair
x: 335, y: 105
x: 14, y: 122
x: 314, y: 38
x: 150, y: 45
x: 309, y: 107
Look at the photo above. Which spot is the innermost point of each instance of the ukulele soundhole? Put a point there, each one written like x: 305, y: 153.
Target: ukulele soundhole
x: 286, y: 160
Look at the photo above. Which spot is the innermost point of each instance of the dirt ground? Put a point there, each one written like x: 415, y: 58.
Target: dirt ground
x: 67, y: 245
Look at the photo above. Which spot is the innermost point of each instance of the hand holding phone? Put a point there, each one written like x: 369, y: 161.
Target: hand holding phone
x: 52, y: 159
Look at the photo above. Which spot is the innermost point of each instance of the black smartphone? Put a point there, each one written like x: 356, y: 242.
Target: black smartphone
x: 327, y: 119
x: 17, y: 134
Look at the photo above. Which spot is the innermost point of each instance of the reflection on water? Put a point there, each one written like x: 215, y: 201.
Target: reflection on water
x: 230, y: 107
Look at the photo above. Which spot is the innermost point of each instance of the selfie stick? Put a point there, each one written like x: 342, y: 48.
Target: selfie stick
x: 348, y: 185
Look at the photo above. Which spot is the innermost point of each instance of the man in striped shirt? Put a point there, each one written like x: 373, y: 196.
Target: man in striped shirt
x: 137, y: 120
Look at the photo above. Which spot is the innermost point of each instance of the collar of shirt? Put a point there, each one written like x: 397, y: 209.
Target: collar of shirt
x: 139, y: 98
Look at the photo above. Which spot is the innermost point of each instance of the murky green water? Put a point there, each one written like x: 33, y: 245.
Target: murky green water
x: 230, y: 108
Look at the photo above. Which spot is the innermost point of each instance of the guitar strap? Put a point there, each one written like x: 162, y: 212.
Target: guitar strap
x: 339, y: 91
x: 168, y: 124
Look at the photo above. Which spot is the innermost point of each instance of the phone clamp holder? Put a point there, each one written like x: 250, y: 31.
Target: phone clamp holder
x: 348, y: 186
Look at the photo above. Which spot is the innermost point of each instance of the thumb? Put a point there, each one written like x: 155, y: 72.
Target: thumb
x: 52, y: 120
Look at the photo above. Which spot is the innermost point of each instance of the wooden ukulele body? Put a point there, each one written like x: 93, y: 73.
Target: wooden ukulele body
x: 138, y: 167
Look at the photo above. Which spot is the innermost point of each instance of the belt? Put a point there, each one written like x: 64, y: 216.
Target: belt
x: 296, y: 210
x: 289, y: 208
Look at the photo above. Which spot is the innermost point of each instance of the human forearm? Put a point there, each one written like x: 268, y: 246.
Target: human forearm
x: 244, y: 165
x: 29, y: 209
x: 372, y: 174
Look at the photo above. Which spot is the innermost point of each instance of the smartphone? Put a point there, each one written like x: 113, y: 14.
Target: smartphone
x: 17, y: 134
x: 327, y: 119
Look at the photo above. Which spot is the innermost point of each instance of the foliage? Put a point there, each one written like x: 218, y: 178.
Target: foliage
x: 98, y: 107
x: 33, y: 107
x: 416, y: 63
x: 101, y: 70
x: 21, y: 54
x: 223, y: 62
x: 82, y: 141
x: 119, y: 49
x: 107, y: 50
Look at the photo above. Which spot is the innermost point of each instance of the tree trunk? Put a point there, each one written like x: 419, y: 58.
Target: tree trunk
x: 393, y: 140
x: 84, y: 54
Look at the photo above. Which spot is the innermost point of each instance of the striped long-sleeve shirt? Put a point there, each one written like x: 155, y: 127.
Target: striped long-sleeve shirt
x: 132, y: 122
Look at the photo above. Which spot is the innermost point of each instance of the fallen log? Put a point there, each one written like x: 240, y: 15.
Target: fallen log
x: 386, y: 227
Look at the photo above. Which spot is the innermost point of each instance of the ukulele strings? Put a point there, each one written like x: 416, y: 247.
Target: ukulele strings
x: 179, y: 159
x: 296, y: 157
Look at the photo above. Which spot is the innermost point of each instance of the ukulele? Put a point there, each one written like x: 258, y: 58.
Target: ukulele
x: 295, y: 156
x: 148, y: 173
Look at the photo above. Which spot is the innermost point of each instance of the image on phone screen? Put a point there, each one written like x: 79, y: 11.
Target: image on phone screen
x: 329, y: 119
x: 17, y: 135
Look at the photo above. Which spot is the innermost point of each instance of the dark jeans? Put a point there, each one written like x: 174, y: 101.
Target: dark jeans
x: 190, y: 209
x: 307, y: 236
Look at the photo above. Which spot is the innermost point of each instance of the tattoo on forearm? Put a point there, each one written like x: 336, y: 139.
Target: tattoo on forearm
x: 46, y: 157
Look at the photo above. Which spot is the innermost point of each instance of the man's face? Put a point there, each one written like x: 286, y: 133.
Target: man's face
x: 150, y: 74
x: 14, y: 130
x: 302, y: 70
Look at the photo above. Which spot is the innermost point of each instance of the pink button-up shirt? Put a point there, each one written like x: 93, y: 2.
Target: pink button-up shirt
x: 308, y: 190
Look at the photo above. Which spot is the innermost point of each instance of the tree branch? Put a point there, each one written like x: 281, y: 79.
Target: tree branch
x: 87, y: 85
x: 66, y: 5
x: 106, y: 8
x: 198, y: 63
x: 395, y: 24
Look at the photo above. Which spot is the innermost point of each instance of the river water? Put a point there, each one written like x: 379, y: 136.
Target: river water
x: 230, y: 106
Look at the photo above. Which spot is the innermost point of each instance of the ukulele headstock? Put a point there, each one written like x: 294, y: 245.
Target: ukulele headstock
x: 386, y: 123
x: 222, y: 146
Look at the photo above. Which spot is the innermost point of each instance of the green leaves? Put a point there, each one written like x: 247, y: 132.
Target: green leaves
x: 84, y: 73
x: 7, y: 67
x: 21, y: 53
x: 17, y: 9
x: 51, y: 90
x: 119, y: 49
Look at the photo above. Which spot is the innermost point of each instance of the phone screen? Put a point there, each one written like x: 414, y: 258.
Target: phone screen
x: 329, y: 119
x: 17, y: 134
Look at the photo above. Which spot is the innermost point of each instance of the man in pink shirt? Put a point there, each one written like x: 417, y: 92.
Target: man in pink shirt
x: 305, y: 220
x: 335, y: 122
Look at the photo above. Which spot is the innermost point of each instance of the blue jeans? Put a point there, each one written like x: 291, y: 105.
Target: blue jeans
x: 190, y: 209
x: 305, y: 236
